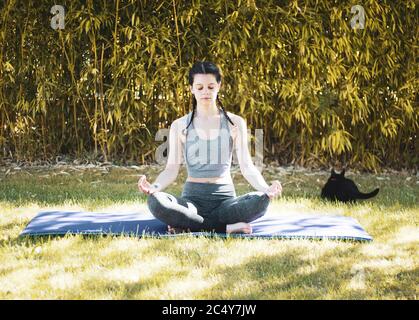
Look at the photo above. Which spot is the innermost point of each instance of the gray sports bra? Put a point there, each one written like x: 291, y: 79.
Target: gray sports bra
x: 208, y: 158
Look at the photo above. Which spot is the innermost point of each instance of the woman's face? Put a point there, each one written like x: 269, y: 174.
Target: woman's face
x: 205, y: 88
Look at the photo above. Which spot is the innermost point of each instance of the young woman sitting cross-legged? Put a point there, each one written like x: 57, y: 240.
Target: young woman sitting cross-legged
x: 206, y: 137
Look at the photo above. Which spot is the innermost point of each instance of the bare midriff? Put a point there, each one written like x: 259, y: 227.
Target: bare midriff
x: 218, y: 180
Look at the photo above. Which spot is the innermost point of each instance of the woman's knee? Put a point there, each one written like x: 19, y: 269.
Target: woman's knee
x: 154, y: 202
x: 258, y: 197
x: 259, y: 202
x: 151, y: 200
x: 162, y: 203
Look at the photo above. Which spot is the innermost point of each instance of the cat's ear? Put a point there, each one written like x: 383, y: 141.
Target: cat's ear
x: 343, y: 172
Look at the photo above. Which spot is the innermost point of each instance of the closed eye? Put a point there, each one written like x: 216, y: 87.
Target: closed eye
x: 208, y: 88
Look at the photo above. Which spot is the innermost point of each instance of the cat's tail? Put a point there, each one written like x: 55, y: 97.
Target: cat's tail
x: 368, y: 195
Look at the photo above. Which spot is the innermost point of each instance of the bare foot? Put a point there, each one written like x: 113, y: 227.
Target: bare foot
x: 239, y: 227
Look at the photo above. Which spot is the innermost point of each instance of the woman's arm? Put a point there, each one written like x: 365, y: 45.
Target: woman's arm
x: 164, y: 179
x: 247, y: 168
x: 174, y: 159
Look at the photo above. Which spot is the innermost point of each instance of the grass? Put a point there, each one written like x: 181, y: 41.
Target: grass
x: 109, y: 267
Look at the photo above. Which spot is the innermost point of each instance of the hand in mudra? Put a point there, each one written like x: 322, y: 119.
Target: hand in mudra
x: 274, y: 190
x: 145, y: 186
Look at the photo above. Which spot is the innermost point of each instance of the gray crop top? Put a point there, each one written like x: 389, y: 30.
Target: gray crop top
x: 208, y: 158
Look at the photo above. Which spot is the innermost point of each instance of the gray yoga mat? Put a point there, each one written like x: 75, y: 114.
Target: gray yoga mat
x: 144, y: 224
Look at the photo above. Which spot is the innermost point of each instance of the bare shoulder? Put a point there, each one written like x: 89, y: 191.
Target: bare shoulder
x: 239, y: 124
x: 180, y: 123
x: 235, y: 118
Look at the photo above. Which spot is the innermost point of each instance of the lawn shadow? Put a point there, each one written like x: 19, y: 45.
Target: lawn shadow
x: 284, y: 276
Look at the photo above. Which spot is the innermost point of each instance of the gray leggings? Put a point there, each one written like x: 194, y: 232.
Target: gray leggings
x: 207, y: 207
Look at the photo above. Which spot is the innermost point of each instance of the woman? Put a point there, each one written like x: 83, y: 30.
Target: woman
x: 206, y: 138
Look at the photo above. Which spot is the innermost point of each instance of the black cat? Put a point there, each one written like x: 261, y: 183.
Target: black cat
x: 342, y: 189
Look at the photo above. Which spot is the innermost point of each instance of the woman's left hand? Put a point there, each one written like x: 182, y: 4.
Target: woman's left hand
x: 145, y: 186
x: 274, y: 190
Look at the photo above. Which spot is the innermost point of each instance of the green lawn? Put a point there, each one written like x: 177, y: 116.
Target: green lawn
x: 99, y: 267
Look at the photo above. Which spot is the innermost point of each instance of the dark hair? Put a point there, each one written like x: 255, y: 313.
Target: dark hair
x: 205, y: 67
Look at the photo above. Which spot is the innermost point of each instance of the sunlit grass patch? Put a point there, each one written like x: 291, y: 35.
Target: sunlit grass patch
x: 201, y: 267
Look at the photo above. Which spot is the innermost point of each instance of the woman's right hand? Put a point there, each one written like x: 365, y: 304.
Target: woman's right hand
x: 274, y: 189
x: 145, y: 186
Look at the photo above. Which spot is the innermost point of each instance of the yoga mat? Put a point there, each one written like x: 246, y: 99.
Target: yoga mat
x: 139, y: 224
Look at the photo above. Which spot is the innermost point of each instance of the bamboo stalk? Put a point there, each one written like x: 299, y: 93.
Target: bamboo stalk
x: 177, y: 33
x: 102, y: 107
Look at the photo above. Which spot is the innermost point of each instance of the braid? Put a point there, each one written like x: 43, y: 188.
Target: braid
x: 225, y: 113
x: 194, y: 103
